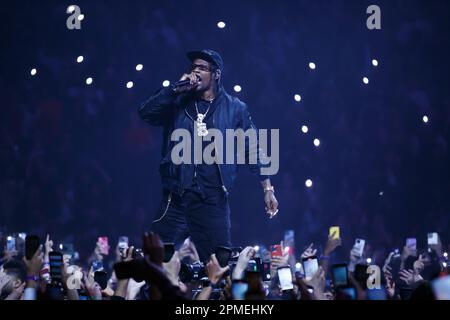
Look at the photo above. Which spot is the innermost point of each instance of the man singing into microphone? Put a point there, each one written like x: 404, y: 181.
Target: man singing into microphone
x: 195, y: 196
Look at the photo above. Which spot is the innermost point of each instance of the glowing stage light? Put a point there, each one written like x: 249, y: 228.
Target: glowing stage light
x: 297, y: 97
x: 130, y: 84
x: 80, y: 59
x: 221, y: 24
x: 166, y: 83
x: 312, y: 65
x: 33, y: 71
x: 425, y: 119
x: 81, y: 17
x: 89, y: 81
x: 139, y: 67
x: 308, y: 183
x: 237, y: 88
x: 305, y: 129
x: 366, y: 80
x: 375, y: 62
x: 316, y: 142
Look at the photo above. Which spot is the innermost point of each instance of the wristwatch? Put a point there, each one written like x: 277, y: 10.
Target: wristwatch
x: 271, y: 188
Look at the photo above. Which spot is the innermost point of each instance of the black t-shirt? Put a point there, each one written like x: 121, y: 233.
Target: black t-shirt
x: 202, y: 177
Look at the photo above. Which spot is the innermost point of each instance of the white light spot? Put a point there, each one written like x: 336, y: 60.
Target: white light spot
x: 130, y: 84
x: 445, y: 254
x: 366, y: 80
x: 316, y: 142
x: 381, y: 193
x: 80, y: 59
x: 81, y: 17
x: 375, y: 62
x: 425, y: 119
x: 308, y: 183
x: 369, y: 260
x: 9, y: 238
x: 312, y: 65
x: 256, y: 248
x: 139, y: 67
x: 237, y: 88
x: 298, y: 265
x: 221, y: 24
x: 166, y: 83
x: 89, y: 81
x: 444, y: 264
x: 297, y: 97
x: 33, y: 71
x: 286, y: 249
x: 61, y: 246
x: 70, y: 9
x: 305, y: 129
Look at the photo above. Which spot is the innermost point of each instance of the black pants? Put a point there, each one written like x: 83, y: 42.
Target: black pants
x: 205, y: 219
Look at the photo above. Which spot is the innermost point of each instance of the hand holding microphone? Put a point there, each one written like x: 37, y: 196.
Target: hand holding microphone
x: 186, y: 83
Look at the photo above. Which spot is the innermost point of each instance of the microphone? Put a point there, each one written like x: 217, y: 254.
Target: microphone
x: 183, y: 82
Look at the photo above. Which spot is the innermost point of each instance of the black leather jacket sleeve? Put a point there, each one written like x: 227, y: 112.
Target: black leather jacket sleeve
x: 158, y: 109
x: 252, y: 149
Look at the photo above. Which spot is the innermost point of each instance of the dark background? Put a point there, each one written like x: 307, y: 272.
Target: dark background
x: 78, y: 162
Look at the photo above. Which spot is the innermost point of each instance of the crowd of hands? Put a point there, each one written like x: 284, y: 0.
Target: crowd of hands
x: 145, y: 275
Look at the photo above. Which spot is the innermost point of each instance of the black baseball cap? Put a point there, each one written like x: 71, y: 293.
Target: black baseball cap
x: 208, y: 55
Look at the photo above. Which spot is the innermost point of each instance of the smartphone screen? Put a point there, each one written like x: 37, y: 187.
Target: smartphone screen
x: 285, y: 278
x: 359, y: 246
x: 411, y: 243
x: 169, y: 251
x: 97, y: 266
x: 252, y: 266
x: 10, y: 243
x: 122, y: 245
x: 441, y: 288
x: 276, y: 250
x: 31, y: 246
x: 432, y: 238
x: 239, y: 289
x: 336, y: 231
x: 223, y: 255
x: 310, y: 266
x: 340, y: 275
x: 56, y: 262
x: 104, y: 246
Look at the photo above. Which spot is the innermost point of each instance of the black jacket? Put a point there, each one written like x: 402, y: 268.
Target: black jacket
x: 167, y: 109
